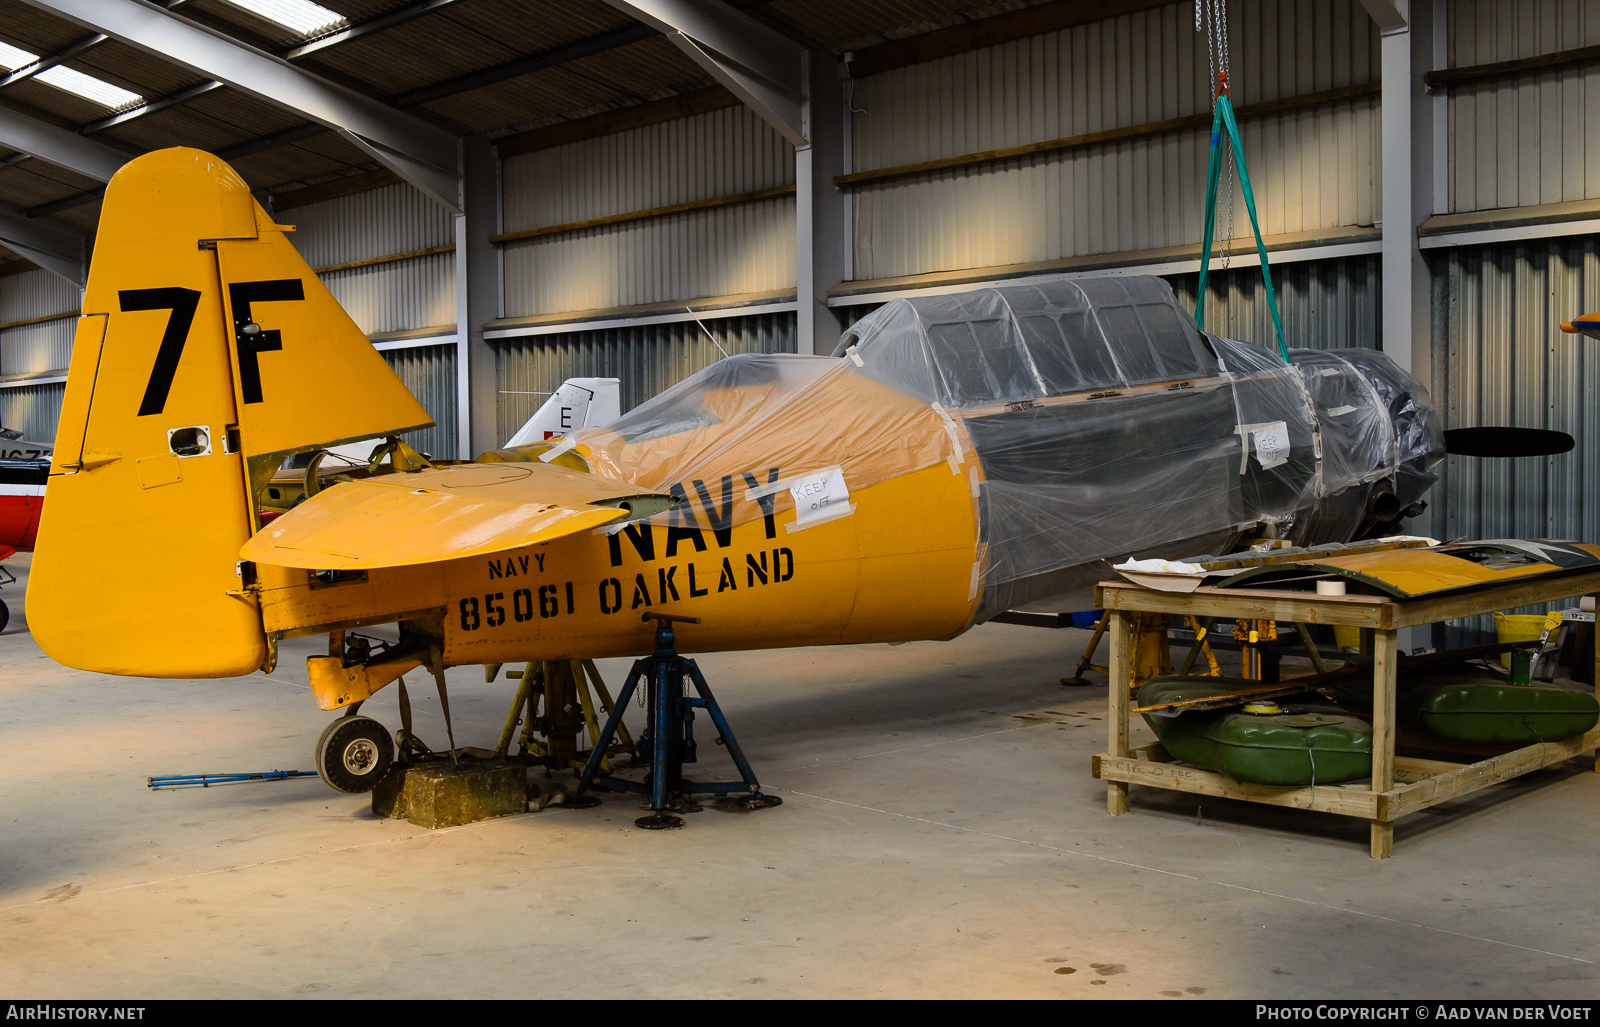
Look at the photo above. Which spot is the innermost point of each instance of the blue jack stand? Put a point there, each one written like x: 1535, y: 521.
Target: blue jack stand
x: 668, y: 741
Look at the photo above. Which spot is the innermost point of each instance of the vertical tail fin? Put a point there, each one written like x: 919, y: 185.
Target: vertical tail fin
x: 207, y: 349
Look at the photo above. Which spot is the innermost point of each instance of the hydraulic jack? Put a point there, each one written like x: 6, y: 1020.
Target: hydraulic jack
x: 668, y: 739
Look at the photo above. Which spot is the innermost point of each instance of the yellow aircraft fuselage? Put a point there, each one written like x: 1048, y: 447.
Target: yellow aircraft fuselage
x: 209, y: 352
x: 877, y: 575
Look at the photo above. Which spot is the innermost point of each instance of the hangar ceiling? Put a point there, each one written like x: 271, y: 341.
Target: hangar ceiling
x: 475, y: 67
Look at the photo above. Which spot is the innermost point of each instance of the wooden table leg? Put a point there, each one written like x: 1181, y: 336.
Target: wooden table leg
x: 1596, y: 599
x: 1383, y: 716
x: 1120, y: 673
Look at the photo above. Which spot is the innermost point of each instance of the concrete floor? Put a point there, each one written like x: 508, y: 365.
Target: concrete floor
x: 940, y: 836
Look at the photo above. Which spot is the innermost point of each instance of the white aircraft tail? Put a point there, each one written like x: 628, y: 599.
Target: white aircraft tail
x: 578, y: 403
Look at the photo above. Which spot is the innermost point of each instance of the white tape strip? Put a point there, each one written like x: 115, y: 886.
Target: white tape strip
x: 785, y: 484
x: 556, y: 450
x: 972, y: 589
x: 955, y: 438
x: 1272, y: 444
x: 1339, y: 411
x: 972, y: 476
x: 855, y: 357
x: 833, y: 513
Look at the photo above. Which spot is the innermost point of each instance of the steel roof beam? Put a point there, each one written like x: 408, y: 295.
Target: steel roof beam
x: 54, y: 249
x: 1391, y: 15
x: 757, y: 64
x: 72, y: 50
x: 60, y: 147
x: 27, y: 71
x: 550, y: 58
x: 367, y: 28
x: 524, y: 65
x: 159, y: 104
x: 421, y: 153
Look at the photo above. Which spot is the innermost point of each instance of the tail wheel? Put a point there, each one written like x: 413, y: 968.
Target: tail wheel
x: 353, y: 754
x: 5, y: 615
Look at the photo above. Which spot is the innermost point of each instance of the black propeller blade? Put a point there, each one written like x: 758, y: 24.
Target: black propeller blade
x: 1506, y: 442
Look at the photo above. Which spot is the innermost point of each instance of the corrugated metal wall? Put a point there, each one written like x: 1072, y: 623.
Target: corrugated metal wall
x: 41, y: 347
x: 1324, y: 304
x: 648, y: 358
x: 725, y: 251
x: 430, y: 373
x: 1498, y: 310
x: 417, y: 293
x: 1531, y: 138
x: 1311, y: 169
x: 1510, y: 364
x: 33, y: 410
x: 850, y: 315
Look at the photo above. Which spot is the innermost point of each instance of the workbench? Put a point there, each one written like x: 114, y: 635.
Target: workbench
x: 1399, y: 785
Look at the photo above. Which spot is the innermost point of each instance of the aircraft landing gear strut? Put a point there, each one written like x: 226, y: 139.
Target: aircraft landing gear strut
x: 669, y: 739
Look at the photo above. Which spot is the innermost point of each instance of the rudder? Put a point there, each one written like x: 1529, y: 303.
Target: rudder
x: 204, y: 340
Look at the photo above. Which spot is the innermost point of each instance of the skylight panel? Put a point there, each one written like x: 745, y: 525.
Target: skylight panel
x: 12, y: 58
x: 68, y: 80
x: 300, y: 16
x: 89, y: 87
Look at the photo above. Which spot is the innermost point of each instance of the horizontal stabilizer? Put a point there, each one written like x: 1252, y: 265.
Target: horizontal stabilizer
x: 1506, y: 442
x: 444, y: 514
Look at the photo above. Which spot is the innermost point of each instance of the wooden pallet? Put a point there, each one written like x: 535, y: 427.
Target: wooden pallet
x: 1399, y: 785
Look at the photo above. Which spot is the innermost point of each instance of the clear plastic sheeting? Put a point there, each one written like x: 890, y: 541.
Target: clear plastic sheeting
x: 1418, y: 431
x: 1108, y: 426
x: 1104, y: 426
x: 1357, y: 435
x: 753, y: 419
x: 1049, y: 338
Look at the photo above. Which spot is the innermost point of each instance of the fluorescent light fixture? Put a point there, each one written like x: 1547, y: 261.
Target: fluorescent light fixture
x: 301, y: 16
x: 64, y: 78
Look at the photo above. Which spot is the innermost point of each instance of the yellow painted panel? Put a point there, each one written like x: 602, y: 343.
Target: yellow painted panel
x: 442, y: 514
x: 306, y: 376
x: 291, y: 606
x: 164, y: 364
x: 763, y: 588
x: 87, y: 340
x: 1419, y: 571
x: 757, y: 586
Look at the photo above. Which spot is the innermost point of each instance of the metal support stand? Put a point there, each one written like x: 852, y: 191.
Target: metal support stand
x: 1087, y: 662
x: 668, y: 742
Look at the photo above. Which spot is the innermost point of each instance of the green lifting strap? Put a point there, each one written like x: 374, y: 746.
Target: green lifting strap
x: 1224, y: 118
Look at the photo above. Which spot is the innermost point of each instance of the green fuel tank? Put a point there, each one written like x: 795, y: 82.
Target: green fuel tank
x: 1465, y: 704
x: 1297, y: 740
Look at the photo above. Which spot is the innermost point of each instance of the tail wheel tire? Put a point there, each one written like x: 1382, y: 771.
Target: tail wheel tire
x: 353, y: 754
x: 5, y: 615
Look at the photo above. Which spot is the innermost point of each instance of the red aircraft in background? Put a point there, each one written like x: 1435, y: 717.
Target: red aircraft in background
x: 24, y: 468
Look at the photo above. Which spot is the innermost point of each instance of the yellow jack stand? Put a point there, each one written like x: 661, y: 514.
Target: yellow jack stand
x: 1151, y: 658
x: 554, y: 701
x: 1201, y: 628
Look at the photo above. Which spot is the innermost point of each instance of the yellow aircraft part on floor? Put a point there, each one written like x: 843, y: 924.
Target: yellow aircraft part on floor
x: 205, y: 340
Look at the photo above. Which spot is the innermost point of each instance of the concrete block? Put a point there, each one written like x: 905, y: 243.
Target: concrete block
x: 439, y: 793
